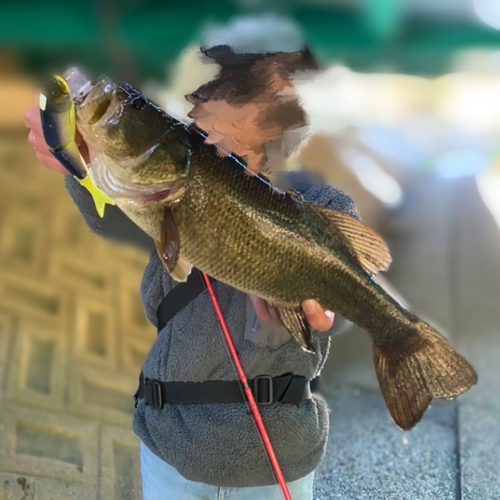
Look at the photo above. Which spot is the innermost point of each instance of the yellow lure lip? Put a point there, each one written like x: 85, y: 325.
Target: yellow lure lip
x: 101, y: 199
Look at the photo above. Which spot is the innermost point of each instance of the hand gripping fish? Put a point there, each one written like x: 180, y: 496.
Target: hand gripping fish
x: 203, y: 210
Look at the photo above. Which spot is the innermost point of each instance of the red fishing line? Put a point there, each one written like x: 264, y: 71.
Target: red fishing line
x: 248, y: 393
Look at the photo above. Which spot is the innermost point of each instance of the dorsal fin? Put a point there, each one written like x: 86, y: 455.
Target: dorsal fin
x: 366, y: 245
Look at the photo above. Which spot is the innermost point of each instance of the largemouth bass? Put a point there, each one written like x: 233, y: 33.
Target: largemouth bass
x: 205, y: 211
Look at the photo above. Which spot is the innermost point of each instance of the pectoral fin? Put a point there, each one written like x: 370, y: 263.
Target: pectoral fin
x: 296, y: 324
x: 169, y: 249
x: 367, y: 246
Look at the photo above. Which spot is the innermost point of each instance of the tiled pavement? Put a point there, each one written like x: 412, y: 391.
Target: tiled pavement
x: 73, y: 337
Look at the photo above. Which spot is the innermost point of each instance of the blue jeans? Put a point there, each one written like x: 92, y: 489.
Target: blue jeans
x: 161, y: 481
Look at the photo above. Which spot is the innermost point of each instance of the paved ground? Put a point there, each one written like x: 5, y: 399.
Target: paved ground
x: 73, y: 337
x: 446, y: 250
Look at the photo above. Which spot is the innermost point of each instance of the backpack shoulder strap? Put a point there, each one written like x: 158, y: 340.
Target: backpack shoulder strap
x: 179, y: 297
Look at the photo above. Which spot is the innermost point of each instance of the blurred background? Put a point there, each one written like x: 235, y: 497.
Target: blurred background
x: 405, y: 117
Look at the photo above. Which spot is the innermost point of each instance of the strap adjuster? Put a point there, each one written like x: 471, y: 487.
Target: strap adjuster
x: 266, y: 388
x: 153, y: 393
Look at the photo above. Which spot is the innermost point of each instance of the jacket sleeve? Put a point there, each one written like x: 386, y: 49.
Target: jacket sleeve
x: 330, y: 197
x: 114, y: 225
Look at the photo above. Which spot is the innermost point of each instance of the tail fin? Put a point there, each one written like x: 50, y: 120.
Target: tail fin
x: 427, y: 368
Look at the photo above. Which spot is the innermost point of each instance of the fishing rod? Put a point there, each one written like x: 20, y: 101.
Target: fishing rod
x: 248, y: 392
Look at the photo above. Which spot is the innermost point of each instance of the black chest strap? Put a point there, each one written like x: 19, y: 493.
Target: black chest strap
x: 286, y: 389
x: 179, y: 297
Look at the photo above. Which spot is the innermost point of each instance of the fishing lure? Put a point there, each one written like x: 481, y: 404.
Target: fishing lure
x: 57, y: 113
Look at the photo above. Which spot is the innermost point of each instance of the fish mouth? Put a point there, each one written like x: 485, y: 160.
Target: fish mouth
x: 100, y: 110
x: 98, y: 105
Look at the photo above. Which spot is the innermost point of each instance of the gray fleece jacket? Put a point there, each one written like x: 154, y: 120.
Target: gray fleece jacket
x: 219, y: 444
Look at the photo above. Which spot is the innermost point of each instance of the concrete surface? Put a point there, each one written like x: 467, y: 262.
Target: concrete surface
x: 446, y: 249
x: 73, y: 337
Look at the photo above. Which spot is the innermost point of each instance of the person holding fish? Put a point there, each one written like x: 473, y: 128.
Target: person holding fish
x: 203, y: 209
x: 204, y: 449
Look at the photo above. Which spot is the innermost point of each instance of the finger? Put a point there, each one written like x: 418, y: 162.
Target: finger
x: 33, y: 120
x: 47, y: 160
x: 261, y: 308
x: 44, y: 158
x: 32, y: 137
x: 318, y: 318
x: 38, y: 142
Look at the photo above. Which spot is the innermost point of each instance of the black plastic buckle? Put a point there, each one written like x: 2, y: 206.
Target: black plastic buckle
x: 256, y: 391
x: 152, y: 388
x: 156, y: 395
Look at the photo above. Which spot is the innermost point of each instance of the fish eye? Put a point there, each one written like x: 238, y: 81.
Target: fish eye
x: 138, y: 102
